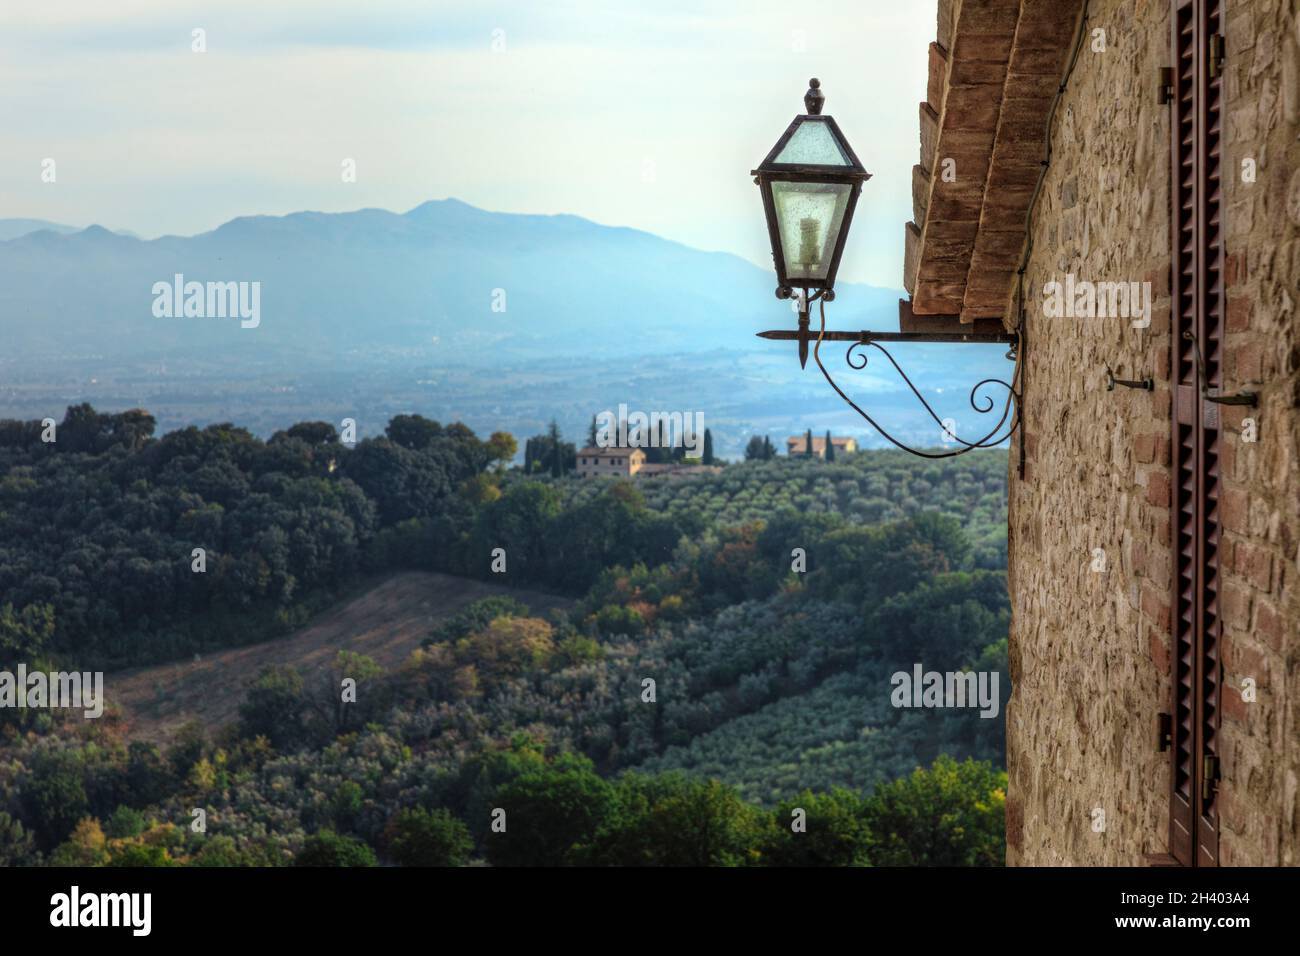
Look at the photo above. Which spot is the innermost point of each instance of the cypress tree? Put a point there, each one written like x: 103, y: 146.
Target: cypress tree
x: 808, y: 452
x: 557, y: 462
x: 708, y: 447
x: 830, y: 449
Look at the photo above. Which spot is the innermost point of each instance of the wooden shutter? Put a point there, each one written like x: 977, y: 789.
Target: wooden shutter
x: 1198, y: 304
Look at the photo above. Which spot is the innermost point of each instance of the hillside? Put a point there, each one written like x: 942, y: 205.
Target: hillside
x: 724, y: 647
x: 385, y: 623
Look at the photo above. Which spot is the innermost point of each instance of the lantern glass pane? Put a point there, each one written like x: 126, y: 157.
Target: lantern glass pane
x: 813, y: 144
x: 809, y: 217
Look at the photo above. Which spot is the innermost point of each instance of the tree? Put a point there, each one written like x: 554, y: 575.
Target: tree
x: 830, y: 449
x: 314, y: 433
x: 85, y: 846
x: 54, y: 796
x: 834, y: 832
x: 518, y: 522
x: 708, y: 447
x: 591, y: 433
x: 557, y: 457
x: 419, y: 837
x: 328, y: 848
x: 24, y: 634
x: 548, y: 812
x: 412, y: 431
x: 945, y: 622
x: 134, y: 854
x: 808, y: 446
x: 950, y: 815
x: 756, y: 449
x: 549, y: 453
x: 502, y: 447
x: 507, y: 647
x: 769, y: 450
x: 674, y: 820
x: 332, y: 715
x: 17, y: 848
x: 274, y: 707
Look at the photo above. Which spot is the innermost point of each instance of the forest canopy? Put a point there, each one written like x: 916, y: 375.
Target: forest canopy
x: 723, y: 661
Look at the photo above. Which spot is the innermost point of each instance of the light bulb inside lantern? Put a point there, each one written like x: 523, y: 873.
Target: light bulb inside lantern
x: 810, y: 253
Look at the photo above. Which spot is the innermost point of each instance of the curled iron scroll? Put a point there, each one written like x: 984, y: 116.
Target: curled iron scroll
x: 982, y: 404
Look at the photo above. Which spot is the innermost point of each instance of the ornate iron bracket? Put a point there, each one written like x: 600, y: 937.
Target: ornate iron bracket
x: 983, y: 404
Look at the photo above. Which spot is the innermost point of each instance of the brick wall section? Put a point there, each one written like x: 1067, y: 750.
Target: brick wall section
x: 1261, y: 507
x: 1089, y: 650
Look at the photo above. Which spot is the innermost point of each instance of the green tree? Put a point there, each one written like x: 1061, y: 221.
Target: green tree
x: 274, y: 707
x: 420, y: 837
x: 125, y: 822
x: 25, y: 633
x: 413, y: 431
x: 17, y: 848
x: 675, y: 820
x: 548, y: 812
x: 557, y: 456
x: 945, y: 622
x: 314, y: 433
x: 328, y: 848
x: 54, y: 796
x: 139, y: 854
x: 708, y: 447
x: 830, y: 449
x: 950, y: 815
x: 833, y: 834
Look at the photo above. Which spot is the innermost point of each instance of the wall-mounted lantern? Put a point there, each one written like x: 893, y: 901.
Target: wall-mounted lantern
x: 810, y: 182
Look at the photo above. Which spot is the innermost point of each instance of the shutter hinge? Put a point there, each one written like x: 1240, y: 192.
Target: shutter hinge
x: 1165, y: 91
x: 1164, y: 732
x: 1209, y: 775
x: 1216, y: 54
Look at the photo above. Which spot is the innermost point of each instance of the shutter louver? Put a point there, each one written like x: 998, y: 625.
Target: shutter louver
x: 1197, y: 256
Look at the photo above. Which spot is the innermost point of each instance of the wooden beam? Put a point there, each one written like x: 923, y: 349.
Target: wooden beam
x: 909, y: 321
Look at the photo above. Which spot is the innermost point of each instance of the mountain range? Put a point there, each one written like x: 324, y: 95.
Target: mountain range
x: 445, y: 277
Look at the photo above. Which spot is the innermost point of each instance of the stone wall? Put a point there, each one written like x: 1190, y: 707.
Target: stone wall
x: 1089, y: 648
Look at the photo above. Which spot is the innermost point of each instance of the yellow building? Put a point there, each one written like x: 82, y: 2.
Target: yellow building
x: 600, y: 462
x: 797, y: 445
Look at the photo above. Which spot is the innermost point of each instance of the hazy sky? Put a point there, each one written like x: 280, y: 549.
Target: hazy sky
x: 647, y: 114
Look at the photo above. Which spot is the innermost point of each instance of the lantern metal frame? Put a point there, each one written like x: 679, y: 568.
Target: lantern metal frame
x: 852, y: 174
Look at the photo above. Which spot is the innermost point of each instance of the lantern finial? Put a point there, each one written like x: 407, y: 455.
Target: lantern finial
x: 814, y: 98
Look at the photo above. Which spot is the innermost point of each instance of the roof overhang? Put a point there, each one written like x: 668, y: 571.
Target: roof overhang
x: 995, y: 69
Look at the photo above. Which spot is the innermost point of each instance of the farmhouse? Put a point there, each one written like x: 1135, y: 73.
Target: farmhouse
x: 596, y: 462
x: 797, y: 445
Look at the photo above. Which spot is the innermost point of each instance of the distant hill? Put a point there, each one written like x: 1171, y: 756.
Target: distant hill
x: 16, y: 228
x: 13, y: 228
x: 372, y: 281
